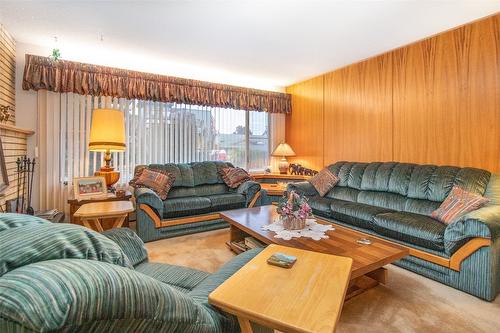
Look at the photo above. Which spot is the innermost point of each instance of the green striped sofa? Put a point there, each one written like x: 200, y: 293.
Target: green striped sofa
x: 66, y: 278
x: 394, y: 201
x: 192, y: 204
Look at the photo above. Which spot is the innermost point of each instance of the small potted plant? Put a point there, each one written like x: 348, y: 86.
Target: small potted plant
x: 294, y: 209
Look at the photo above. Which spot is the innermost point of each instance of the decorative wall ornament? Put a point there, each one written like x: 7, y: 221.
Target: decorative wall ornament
x: 5, y: 113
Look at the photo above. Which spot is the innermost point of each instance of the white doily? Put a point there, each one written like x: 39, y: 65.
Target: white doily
x: 312, y: 230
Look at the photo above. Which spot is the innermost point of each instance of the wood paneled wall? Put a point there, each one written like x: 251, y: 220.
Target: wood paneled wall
x: 14, y: 140
x: 435, y: 101
x: 7, y: 72
x: 307, y: 124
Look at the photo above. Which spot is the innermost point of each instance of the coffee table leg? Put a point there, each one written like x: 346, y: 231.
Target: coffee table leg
x: 361, y: 284
x: 245, y: 325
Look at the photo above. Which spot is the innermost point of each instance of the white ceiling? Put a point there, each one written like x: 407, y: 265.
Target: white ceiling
x: 263, y: 44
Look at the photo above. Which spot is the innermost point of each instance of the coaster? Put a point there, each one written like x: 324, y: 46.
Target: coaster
x: 364, y: 241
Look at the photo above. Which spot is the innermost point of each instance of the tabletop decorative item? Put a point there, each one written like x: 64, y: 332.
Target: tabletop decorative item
x: 294, y: 209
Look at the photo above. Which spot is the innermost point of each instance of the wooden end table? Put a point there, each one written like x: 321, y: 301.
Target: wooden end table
x: 74, y: 204
x: 93, y: 213
x: 305, y: 298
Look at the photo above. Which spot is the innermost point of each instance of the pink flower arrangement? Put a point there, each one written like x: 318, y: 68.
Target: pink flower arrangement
x: 294, y: 205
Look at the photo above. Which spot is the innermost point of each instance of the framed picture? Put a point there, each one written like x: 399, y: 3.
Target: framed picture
x: 86, y: 188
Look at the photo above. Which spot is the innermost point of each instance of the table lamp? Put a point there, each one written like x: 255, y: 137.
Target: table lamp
x: 107, y: 134
x: 283, y: 150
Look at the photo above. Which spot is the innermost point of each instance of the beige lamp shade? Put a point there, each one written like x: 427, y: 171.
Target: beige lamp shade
x: 283, y: 150
x: 107, y: 132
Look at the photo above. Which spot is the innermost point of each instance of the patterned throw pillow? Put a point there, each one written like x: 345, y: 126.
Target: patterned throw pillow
x: 137, y: 173
x: 234, y: 177
x: 458, y: 203
x: 324, y: 181
x: 157, y: 180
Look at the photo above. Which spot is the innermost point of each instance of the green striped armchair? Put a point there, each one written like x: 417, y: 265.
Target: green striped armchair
x: 66, y: 278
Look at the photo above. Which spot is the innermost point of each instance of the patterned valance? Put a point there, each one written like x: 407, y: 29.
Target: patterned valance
x: 86, y: 79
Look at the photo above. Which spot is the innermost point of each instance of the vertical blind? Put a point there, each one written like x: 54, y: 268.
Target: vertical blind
x: 156, y: 132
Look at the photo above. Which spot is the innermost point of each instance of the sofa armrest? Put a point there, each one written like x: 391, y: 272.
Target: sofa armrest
x: 150, y: 198
x: 130, y: 243
x: 304, y: 188
x: 249, y: 189
x: 484, y: 222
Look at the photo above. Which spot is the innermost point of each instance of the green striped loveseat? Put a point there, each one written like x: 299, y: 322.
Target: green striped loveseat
x: 66, y: 278
x: 192, y: 205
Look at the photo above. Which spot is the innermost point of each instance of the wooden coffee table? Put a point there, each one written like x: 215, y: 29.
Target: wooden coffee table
x: 305, y: 298
x: 368, y: 260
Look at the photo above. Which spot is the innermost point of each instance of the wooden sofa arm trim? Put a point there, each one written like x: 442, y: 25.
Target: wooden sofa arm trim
x: 466, y: 250
x: 254, y: 200
x: 182, y: 220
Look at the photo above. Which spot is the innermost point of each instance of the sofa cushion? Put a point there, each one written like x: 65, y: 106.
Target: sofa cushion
x: 376, y: 176
x: 400, y: 178
x: 418, y: 206
x: 343, y: 193
x: 13, y: 220
x: 210, y: 189
x: 227, y: 201
x: 179, y: 277
x: 68, y: 295
x: 29, y: 244
x: 183, y: 173
x: 320, y: 205
x: 357, y: 214
x: 201, y: 291
x: 382, y: 199
x: 412, y: 228
x: 185, y: 206
x: 204, y: 173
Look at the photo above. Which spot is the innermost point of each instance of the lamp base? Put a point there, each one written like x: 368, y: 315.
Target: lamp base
x: 111, y: 177
x: 283, y: 166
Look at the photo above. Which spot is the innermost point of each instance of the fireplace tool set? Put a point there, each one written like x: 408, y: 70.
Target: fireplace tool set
x: 25, y: 172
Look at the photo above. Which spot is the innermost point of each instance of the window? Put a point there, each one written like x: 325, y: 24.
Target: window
x: 164, y: 133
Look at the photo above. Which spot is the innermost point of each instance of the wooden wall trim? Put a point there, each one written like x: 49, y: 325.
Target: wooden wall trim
x: 435, y: 101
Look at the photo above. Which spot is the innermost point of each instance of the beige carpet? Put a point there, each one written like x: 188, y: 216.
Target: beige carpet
x: 409, y: 303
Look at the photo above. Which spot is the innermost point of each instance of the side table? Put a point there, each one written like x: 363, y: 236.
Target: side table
x: 305, y: 298
x: 74, y: 204
x: 92, y: 214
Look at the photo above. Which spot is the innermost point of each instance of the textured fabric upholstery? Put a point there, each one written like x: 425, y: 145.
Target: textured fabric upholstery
x: 130, y: 244
x: 182, y: 278
x: 186, y: 206
x: 304, y: 188
x: 204, y: 190
x: 12, y: 220
x: 320, y: 205
x: 358, y: 214
x: 150, y: 198
x: 493, y: 190
x: 227, y: 201
x: 343, y: 193
x: 82, y: 298
x: 411, y: 228
x: 382, y: 199
x: 27, y: 244
x: 80, y: 295
x: 202, y: 290
x: 249, y: 189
